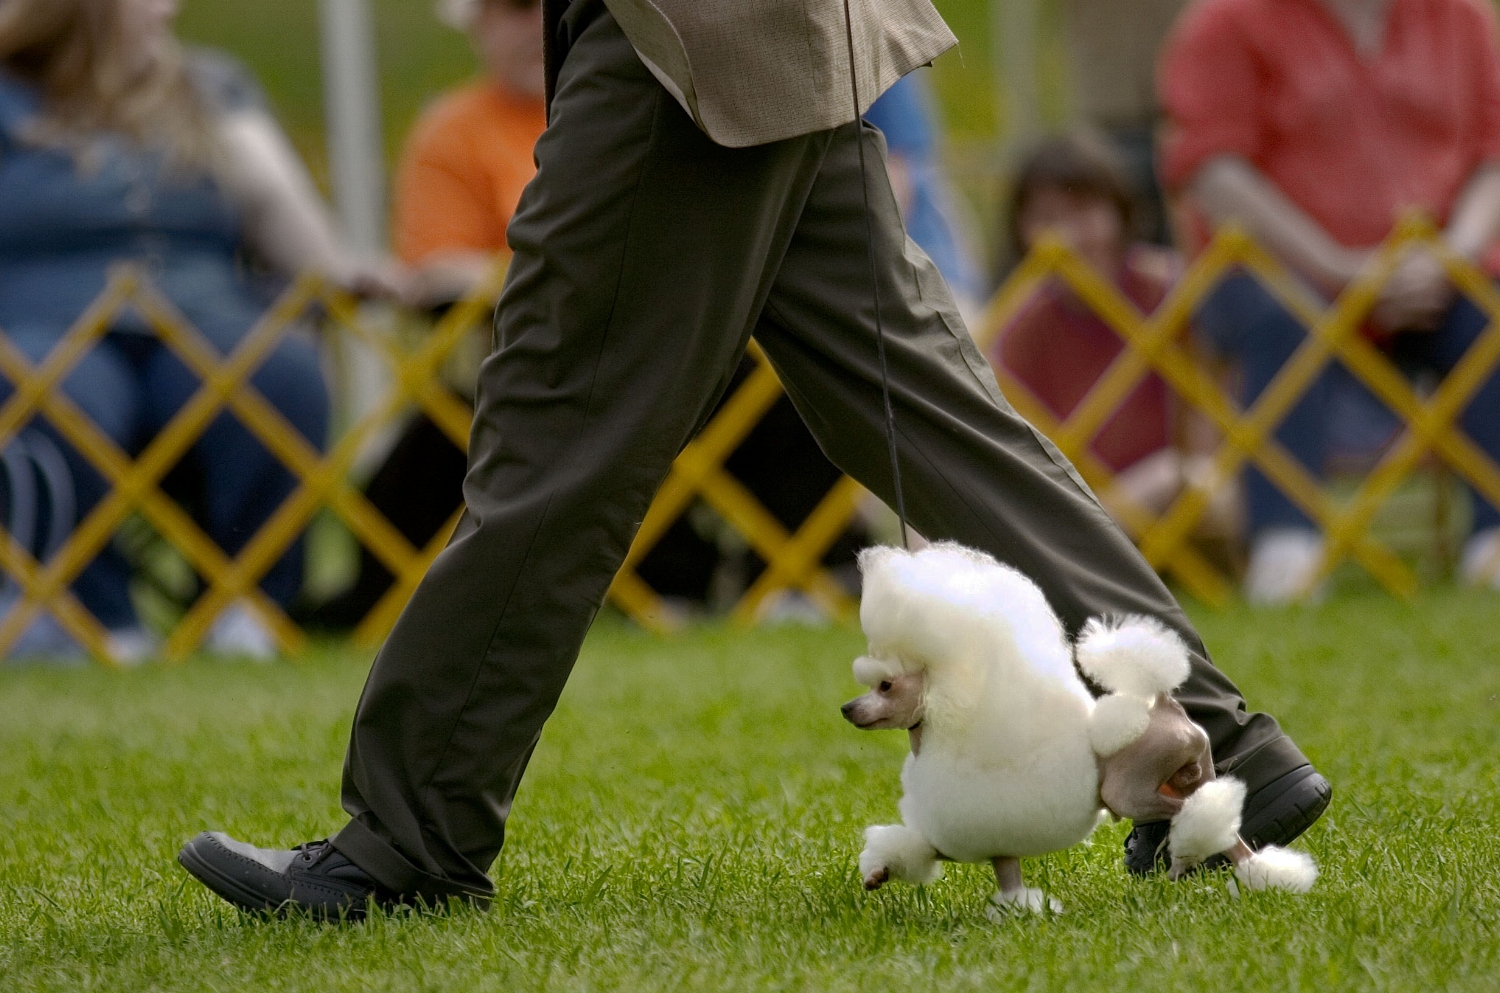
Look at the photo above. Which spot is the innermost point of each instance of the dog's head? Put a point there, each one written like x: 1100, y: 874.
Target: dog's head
x: 896, y: 699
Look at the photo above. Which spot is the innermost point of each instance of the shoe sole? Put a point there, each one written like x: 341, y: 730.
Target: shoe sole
x: 1285, y: 825
x: 224, y: 885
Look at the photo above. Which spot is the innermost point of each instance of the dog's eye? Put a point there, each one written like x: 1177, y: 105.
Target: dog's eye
x: 885, y: 686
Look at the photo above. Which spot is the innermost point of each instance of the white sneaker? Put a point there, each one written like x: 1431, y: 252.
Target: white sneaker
x: 1283, y: 562
x: 239, y: 632
x: 1480, y: 563
x: 132, y: 646
x: 792, y: 607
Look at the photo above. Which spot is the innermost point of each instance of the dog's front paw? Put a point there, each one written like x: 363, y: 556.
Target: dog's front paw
x: 1018, y: 901
x: 894, y: 851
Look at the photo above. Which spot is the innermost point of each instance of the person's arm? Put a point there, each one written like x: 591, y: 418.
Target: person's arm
x: 1475, y: 222
x: 286, y: 221
x: 446, y: 223
x: 1419, y: 292
x: 1227, y: 188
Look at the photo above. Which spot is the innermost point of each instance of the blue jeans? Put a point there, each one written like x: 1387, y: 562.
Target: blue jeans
x: 131, y: 385
x: 1247, y: 323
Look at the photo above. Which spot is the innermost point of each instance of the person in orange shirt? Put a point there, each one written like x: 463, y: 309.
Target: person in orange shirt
x: 462, y: 171
x: 469, y: 156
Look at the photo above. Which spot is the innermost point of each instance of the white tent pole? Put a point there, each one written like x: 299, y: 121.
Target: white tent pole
x: 356, y: 159
x: 351, y: 110
x: 1013, y: 45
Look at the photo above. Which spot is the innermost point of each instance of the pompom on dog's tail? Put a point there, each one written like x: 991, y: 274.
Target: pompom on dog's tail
x: 1134, y: 659
x: 1138, y: 656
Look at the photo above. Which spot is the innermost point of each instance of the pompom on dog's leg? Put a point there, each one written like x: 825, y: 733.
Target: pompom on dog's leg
x: 895, y: 851
x: 1014, y: 895
x: 1275, y: 868
x: 1209, y: 824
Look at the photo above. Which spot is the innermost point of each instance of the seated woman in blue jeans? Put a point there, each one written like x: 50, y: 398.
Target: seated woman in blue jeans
x: 1245, y: 321
x: 116, y: 146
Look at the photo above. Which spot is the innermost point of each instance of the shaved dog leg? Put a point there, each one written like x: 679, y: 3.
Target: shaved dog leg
x: 1239, y: 853
x: 1014, y: 896
x: 1008, y: 875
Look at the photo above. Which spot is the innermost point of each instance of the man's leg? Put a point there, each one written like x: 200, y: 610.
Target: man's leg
x: 972, y: 469
x: 643, y: 253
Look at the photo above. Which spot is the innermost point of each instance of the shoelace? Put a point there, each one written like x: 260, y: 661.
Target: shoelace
x: 309, y: 852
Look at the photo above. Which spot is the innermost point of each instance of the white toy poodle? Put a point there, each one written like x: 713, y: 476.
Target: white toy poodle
x: 1011, y: 755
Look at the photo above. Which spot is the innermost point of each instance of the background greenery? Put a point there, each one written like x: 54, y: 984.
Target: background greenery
x: 693, y: 815
x: 418, y: 57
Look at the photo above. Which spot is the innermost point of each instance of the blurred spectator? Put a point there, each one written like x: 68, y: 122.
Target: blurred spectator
x: 1112, y: 52
x: 1075, y: 189
x: 904, y: 113
x: 469, y: 156
x: 462, y: 171
x: 1315, y: 124
x: 117, y: 145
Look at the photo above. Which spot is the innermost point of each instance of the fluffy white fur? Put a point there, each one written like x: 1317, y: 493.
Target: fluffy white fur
x: 1027, y: 899
x: 1008, y: 764
x: 1209, y: 821
x: 1135, y: 655
x: 1005, y: 767
x: 900, y: 851
x: 869, y: 672
x: 1274, y: 868
x: 1118, y: 720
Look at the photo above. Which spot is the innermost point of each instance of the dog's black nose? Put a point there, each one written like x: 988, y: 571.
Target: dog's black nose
x: 847, y: 708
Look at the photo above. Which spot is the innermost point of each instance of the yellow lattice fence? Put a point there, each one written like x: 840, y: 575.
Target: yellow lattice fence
x: 1155, y: 343
x: 792, y: 559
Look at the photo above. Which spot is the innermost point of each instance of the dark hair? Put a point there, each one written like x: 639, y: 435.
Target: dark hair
x: 1080, y: 162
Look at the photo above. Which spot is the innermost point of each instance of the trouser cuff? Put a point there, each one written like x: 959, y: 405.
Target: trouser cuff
x: 393, y: 871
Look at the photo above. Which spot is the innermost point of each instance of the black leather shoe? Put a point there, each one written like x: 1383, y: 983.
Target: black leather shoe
x: 1274, y: 815
x: 314, y: 877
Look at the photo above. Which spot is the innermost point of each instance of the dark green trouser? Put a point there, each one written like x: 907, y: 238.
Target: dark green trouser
x: 645, y: 258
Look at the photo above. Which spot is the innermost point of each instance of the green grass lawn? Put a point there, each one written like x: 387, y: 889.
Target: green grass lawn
x: 693, y: 815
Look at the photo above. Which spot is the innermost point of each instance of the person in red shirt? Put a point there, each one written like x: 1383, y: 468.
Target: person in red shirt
x: 1316, y: 124
x: 1074, y: 187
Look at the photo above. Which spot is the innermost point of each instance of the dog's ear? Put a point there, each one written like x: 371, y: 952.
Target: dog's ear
x: 1136, y: 655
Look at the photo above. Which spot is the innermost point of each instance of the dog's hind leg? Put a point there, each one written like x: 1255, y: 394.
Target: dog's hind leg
x: 1014, y: 895
x: 895, y: 851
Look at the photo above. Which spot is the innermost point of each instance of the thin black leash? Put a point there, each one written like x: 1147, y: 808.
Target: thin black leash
x: 885, y: 379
